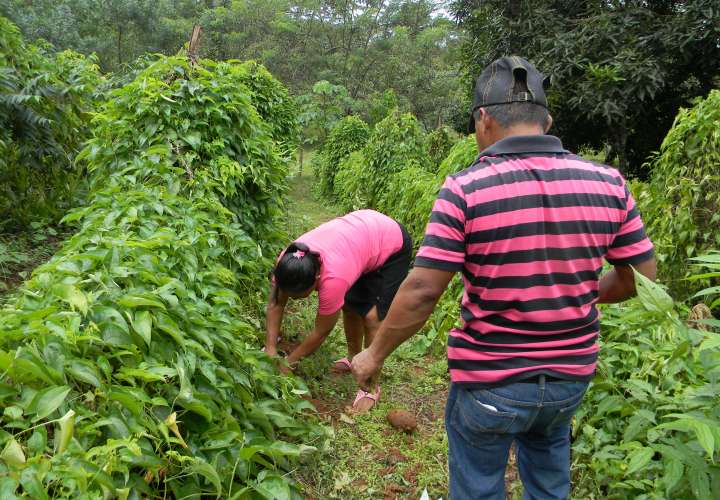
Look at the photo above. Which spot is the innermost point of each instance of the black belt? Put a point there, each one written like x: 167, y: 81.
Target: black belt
x: 548, y: 378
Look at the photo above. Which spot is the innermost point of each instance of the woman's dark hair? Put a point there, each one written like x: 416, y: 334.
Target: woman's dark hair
x: 297, y: 269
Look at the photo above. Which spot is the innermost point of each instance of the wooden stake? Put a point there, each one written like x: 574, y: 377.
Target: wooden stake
x: 194, y: 44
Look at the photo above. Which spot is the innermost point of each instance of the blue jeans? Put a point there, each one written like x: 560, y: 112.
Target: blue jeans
x: 481, y: 425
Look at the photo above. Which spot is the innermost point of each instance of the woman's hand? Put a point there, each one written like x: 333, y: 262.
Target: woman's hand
x: 271, y: 351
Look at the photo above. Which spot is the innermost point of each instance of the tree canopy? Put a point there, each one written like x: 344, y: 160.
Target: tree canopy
x: 620, y: 70
x: 365, y: 47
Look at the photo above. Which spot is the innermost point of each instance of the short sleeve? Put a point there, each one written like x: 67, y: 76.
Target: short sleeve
x: 631, y: 245
x: 331, y: 295
x: 443, y: 247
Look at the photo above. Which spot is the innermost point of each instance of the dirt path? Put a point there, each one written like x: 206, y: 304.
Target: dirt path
x: 20, y: 253
x: 368, y: 458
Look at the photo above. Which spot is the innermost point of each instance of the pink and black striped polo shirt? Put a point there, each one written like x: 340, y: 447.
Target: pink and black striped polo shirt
x: 529, y: 224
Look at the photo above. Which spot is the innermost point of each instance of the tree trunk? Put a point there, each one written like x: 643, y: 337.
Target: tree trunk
x: 619, y: 148
x: 119, y: 46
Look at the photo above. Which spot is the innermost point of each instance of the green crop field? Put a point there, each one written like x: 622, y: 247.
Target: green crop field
x: 148, y: 184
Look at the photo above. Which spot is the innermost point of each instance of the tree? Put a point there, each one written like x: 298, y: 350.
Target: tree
x: 619, y: 70
x: 365, y: 46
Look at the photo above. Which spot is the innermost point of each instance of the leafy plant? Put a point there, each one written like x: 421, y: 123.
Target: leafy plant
x: 410, y: 203
x: 682, y: 202
x: 348, y: 135
x: 440, y: 142
x: 397, y: 141
x: 45, y: 101
x: 649, y: 426
x: 128, y: 363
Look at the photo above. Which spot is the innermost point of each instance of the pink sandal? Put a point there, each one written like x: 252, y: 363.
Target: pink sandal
x: 374, y: 397
x: 346, y: 366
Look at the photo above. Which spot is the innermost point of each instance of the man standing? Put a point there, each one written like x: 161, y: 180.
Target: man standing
x: 528, y: 225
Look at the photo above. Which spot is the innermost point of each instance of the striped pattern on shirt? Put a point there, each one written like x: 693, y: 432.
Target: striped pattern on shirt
x: 528, y: 225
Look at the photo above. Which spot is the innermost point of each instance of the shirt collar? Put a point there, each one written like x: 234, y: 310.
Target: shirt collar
x: 525, y: 144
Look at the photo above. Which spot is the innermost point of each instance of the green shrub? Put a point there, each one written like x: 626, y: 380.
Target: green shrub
x: 396, y: 142
x: 350, y: 191
x: 410, y: 193
x: 45, y: 99
x: 274, y: 104
x: 649, y: 426
x: 440, y: 142
x: 348, y: 135
x: 682, y: 203
x: 128, y: 363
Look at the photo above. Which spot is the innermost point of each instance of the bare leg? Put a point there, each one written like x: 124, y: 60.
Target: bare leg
x: 371, y: 326
x: 354, y: 332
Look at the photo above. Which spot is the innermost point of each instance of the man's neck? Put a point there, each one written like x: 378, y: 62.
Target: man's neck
x: 519, y: 129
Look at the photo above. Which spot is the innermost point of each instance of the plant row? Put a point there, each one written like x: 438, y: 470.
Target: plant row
x: 127, y: 362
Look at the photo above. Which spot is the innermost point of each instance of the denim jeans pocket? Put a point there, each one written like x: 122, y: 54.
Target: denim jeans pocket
x: 566, y: 411
x: 478, y: 419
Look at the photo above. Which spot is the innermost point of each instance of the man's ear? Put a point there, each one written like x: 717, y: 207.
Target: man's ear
x: 549, y: 123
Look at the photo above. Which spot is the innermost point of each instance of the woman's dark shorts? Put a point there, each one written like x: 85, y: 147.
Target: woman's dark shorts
x: 378, y: 288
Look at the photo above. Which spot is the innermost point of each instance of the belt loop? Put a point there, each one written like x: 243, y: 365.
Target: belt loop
x: 541, y: 389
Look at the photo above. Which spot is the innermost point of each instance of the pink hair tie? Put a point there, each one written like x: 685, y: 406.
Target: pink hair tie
x: 298, y: 254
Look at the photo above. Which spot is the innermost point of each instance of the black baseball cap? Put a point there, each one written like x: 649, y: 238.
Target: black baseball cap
x: 496, y: 83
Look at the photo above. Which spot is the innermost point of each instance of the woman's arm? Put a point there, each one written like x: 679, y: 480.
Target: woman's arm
x: 323, y: 327
x: 275, y: 310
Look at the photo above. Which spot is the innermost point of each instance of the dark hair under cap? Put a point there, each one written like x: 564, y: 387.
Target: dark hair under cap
x: 297, y: 269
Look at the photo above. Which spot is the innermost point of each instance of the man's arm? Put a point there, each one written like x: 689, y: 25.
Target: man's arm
x: 412, y: 306
x: 323, y: 327
x: 618, y: 284
x: 274, y: 315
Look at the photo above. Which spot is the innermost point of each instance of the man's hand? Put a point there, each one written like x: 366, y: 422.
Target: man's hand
x: 365, y: 369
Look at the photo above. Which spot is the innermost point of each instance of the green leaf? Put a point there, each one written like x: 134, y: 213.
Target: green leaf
x: 84, y: 372
x: 699, y: 483
x: 651, y: 295
x: 71, y: 295
x: 142, y: 324
x: 193, y: 139
x: 8, y: 487
x: 37, y: 443
x: 13, y: 454
x: 274, y: 488
x: 133, y: 301
x: 167, y: 325
x: 638, y: 459
x: 705, y: 437
x: 203, y: 468
x: 126, y: 399
x: 32, y: 484
x: 49, y: 400
x: 673, y: 473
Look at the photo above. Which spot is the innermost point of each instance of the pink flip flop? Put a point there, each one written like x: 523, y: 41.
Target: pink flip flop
x: 345, y: 363
x: 374, y: 397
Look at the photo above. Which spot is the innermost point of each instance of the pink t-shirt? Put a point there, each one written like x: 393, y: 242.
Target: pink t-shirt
x: 350, y: 246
